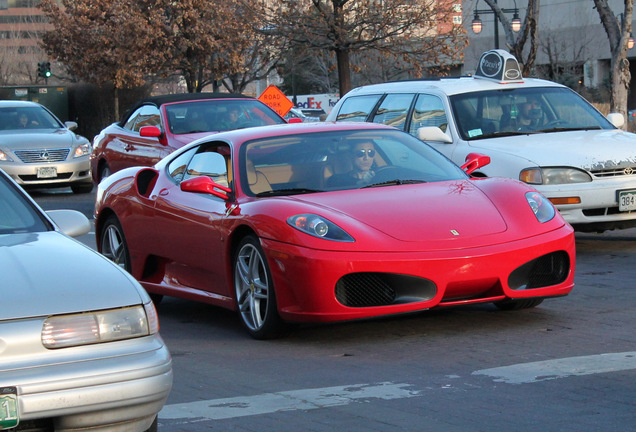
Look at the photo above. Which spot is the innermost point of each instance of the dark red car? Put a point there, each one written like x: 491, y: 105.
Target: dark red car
x: 156, y: 126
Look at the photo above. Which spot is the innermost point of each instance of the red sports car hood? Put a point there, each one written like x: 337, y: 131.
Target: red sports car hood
x: 434, y: 211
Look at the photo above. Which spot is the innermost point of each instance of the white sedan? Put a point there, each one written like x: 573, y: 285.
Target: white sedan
x: 536, y: 131
x: 79, y: 342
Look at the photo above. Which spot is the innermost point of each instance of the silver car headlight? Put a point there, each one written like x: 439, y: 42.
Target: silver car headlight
x: 5, y: 157
x: 320, y: 227
x: 63, y: 331
x: 541, y: 206
x: 82, y: 150
x: 553, y: 176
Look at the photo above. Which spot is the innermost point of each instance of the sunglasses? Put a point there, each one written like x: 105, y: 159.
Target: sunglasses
x: 360, y: 153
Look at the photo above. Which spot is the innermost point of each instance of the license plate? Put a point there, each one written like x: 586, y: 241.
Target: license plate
x: 8, y: 408
x: 627, y: 200
x: 47, y: 172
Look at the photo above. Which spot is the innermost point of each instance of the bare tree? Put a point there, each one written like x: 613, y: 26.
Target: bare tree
x: 618, y: 31
x: 18, y: 63
x: 516, y: 42
x: 102, y: 41
x: 416, y: 31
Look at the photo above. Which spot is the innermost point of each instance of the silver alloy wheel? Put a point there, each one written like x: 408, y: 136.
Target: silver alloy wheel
x: 252, y: 287
x: 114, y: 246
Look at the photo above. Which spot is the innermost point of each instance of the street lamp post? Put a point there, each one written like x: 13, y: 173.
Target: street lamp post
x: 477, y: 24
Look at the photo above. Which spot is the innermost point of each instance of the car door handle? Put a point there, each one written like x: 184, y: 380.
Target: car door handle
x: 164, y: 192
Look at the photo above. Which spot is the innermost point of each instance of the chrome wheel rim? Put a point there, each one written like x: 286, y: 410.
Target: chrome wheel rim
x: 113, y: 246
x: 252, y: 286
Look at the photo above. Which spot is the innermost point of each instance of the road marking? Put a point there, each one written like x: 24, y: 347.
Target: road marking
x: 561, y: 368
x: 306, y: 399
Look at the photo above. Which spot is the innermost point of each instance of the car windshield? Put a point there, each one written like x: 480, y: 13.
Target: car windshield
x: 218, y: 115
x: 16, y: 214
x: 337, y: 160
x: 489, y: 114
x: 27, y: 118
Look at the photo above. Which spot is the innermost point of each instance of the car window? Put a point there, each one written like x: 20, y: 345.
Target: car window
x: 218, y: 115
x: 429, y: 111
x: 177, y: 168
x: 211, y: 161
x: 147, y: 115
x: 16, y: 214
x: 494, y: 113
x: 393, y: 110
x: 357, y: 108
x: 324, y: 161
x: 132, y: 119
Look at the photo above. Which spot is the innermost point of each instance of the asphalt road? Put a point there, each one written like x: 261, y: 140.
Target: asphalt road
x: 567, y: 365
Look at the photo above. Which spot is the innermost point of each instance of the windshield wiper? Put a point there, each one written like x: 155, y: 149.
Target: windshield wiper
x: 291, y: 191
x: 393, y: 183
x: 503, y: 134
x: 564, y: 129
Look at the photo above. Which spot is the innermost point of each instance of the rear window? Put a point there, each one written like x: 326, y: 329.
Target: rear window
x: 357, y: 108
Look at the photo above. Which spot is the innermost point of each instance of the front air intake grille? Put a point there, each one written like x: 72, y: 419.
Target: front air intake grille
x: 42, y: 156
x: 382, y: 289
x: 547, y: 270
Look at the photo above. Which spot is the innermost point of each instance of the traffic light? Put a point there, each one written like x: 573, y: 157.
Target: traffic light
x: 44, y: 69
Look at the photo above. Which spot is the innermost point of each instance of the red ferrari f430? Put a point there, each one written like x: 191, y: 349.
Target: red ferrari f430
x: 327, y: 222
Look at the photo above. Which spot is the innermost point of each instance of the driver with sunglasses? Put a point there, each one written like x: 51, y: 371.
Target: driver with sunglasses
x: 362, y: 163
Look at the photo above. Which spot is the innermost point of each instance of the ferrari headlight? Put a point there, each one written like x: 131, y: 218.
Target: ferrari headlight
x: 82, y: 150
x: 5, y: 157
x: 541, y: 206
x: 101, y: 326
x: 553, y: 176
x: 320, y: 227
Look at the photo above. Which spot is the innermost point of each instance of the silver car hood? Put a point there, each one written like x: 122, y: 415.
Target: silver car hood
x: 48, y: 273
x: 37, y: 139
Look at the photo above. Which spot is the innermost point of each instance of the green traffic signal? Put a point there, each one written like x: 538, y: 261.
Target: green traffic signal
x: 44, y: 69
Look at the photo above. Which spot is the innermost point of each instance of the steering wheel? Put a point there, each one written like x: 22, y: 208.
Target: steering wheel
x: 554, y: 123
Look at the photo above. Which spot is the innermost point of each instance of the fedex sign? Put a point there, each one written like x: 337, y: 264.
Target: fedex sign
x: 317, y: 101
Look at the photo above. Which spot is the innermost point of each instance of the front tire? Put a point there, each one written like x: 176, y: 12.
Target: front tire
x: 82, y: 188
x: 255, y: 295
x: 113, y: 243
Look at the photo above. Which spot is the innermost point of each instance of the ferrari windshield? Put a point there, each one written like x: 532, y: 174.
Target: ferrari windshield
x: 494, y: 113
x: 336, y: 160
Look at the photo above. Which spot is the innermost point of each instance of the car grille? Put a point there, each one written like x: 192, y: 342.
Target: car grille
x: 615, y: 171
x: 32, y: 177
x: 382, y: 289
x: 40, y: 156
x: 547, y: 270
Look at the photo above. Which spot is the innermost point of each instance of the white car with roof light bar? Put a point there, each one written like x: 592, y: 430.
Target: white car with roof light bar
x: 534, y: 130
x: 79, y: 342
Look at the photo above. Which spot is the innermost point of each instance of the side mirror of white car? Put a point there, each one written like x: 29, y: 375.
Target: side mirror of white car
x: 70, y: 222
x: 433, y: 133
x: 70, y: 125
x: 616, y: 119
